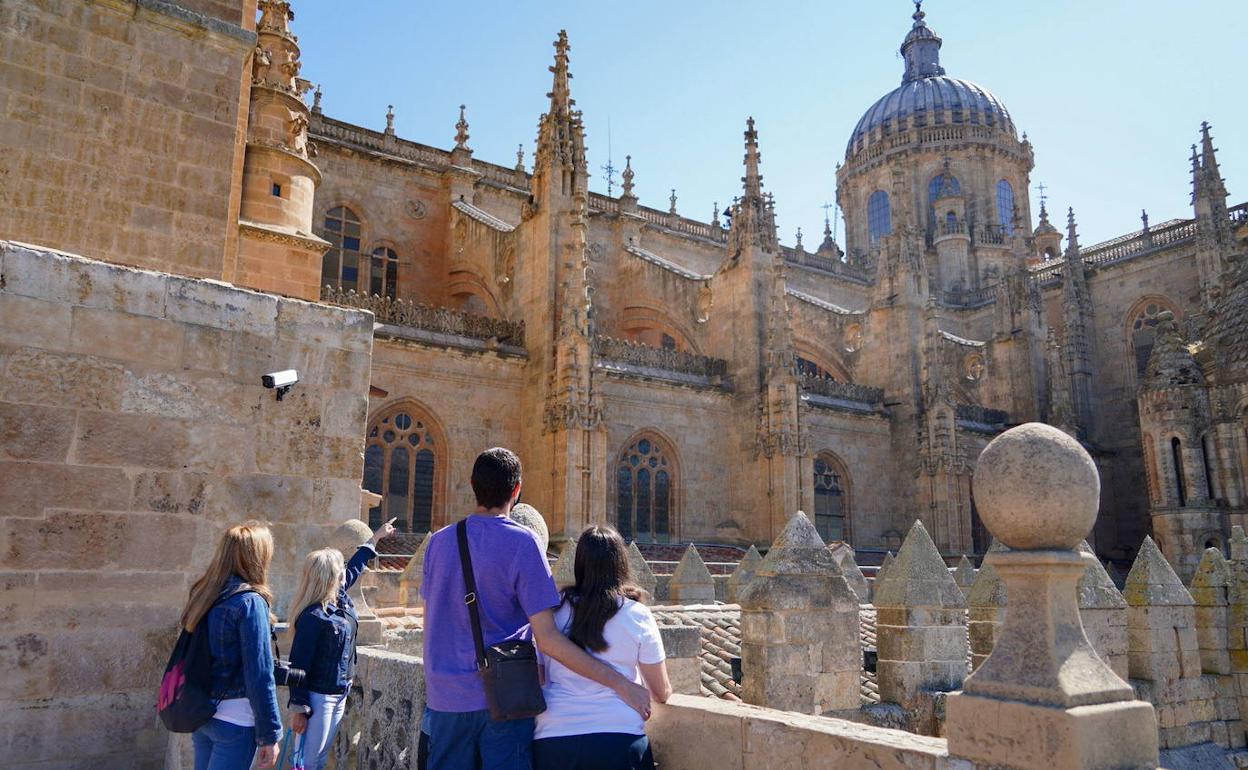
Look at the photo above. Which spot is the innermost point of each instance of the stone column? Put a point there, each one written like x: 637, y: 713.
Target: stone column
x: 743, y: 573
x: 1104, y: 613
x: 1043, y: 700
x: 691, y: 583
x: 920, y: 631
x: 1163, y: 650
x: 964, y: 575
x: 799, y: 628
x: 641, y: 573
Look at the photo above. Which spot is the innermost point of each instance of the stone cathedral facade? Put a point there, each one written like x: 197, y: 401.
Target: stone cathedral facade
x: 698, y: 381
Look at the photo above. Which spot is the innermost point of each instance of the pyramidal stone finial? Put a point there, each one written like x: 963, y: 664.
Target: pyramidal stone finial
x: 883, y: 568
x: 1212, y: 578
x: 692, y: 582
x: 988, y: 590
x: 1096, y: 588
x: 1238, y: 543
x: 640, y: 570
x: 964, y: 574
x: 918, y: 576
x: 844, y: 556
x: 1152, y: 582
x: 744, y: 572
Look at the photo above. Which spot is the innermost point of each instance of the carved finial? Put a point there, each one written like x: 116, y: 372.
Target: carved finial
x: 390, y: 119
x: 628, y: 176
x: 799, y: 238
x: 520, y: 157
x: 1072, y: 237
x: 461, y: 130
x: 1144, y: 219
x: 715, y: 214
x: 316, y: 100
x: 672, y: 209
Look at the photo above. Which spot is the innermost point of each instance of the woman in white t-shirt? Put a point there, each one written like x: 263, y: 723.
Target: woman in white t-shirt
x: 587, y: 726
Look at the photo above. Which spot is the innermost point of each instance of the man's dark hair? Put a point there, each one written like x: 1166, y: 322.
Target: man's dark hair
x: 495, y: 475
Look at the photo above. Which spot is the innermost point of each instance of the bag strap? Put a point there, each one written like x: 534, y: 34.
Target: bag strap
x: 470, y: 598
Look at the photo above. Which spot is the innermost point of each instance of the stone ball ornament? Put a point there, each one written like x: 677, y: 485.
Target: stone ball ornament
x: 527, y: 516
x: 350, y: 535
x: 1036, y: 488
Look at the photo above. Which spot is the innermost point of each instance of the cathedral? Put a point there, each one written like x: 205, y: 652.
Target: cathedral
x: 699, y: 381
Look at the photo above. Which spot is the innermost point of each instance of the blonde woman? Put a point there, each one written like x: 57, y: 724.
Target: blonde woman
x: 324, y: 645
x: 233, y: 598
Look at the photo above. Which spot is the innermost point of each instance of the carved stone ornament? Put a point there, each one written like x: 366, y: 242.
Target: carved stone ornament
x: 974, y: 367
x: 853, y: 338
x: 416, y: 208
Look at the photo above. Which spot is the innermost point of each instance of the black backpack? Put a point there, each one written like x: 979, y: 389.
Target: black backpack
x: 184, y: 702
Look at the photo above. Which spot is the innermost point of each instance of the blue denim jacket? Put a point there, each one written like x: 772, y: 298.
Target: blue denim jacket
x: 242, y: 656
x: 324, y: 644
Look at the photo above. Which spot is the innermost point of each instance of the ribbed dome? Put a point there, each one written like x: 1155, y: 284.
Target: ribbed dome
x: 928, y: 96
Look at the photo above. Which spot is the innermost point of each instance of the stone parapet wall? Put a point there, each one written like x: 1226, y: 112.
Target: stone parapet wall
x: 133, y: 430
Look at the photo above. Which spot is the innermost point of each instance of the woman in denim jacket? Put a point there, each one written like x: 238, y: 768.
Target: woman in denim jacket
x: 324, y: 645
x: 233, y: 598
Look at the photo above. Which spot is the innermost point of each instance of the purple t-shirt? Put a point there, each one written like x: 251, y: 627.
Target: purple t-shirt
x: 513, y: 583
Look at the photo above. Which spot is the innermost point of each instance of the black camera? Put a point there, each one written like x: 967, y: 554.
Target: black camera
x: 286, y: 675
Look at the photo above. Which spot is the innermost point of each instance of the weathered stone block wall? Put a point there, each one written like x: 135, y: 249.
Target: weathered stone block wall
x: 863, y: 444
x: 133, y: 429
x: 119, y: 129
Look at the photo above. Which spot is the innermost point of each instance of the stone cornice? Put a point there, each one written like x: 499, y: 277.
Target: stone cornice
x: 274, y: 234
x: 189, y: 22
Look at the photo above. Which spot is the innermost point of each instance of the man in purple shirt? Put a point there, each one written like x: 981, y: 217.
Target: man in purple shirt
x: 515, y: 593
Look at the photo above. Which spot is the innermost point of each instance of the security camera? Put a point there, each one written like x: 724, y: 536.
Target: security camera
x: 282, y: 381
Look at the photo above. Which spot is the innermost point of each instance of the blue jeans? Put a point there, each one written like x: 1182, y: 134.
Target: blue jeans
x: 223, y: 746
x: 327, y: 713
x: 469, y: 740
x: 594, y: 751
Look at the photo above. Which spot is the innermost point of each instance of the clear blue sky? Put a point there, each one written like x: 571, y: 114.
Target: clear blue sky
x: 1110, y: 93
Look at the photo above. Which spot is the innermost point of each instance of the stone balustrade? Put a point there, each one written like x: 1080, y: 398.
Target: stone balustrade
x: 440, y: 320
x: 843, y: 391
x: 647, y: 357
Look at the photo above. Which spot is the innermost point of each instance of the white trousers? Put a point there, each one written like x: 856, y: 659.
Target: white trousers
x: 327, y: 711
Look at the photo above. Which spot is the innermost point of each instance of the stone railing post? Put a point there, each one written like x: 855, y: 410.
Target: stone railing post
x: 1044, y: 700
x: 743, y: 573
x: 920, y: 631
x: 692, y: 582
x: 799, y: 628
x: 985, y: 610
x: 640, y: 571
x: 1164, y: 652
x: 1104, y: 613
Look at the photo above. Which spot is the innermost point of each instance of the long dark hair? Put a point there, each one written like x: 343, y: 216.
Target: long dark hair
x: 602, y: 582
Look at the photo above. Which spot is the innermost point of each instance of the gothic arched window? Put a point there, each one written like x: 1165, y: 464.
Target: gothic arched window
x: 383, y: 273
x: 1005, y: 206
x: 340, y: 267
x: 878, y: 220
x: 1180, y: 481
x: 401, y: 463
x: 937, y: 184
x: 831, y: 498
x: 645, y: 489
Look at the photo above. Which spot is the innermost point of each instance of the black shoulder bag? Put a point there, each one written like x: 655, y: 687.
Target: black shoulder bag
x: 508, y: 670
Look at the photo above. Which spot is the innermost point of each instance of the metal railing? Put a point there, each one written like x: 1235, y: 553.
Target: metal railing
x: 400, y: 312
